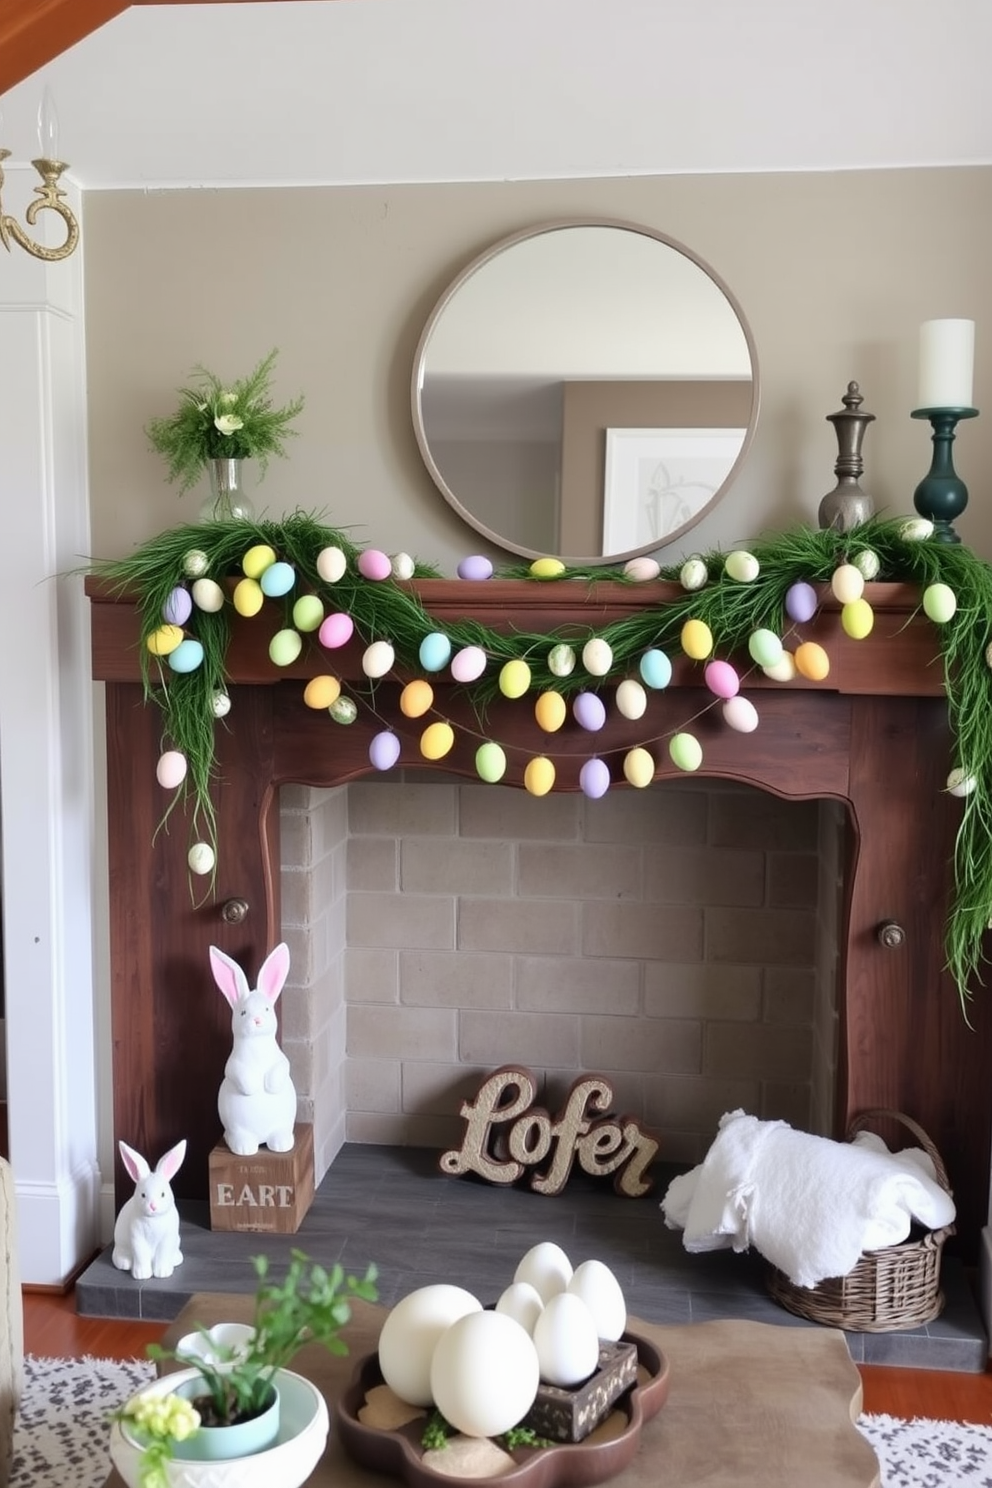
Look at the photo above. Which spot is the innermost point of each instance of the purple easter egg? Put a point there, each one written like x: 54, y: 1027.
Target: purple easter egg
x: 721, y: 679
x: 594, y: 779
x: 589, y: 711
x: 384, y: 750
x: 800, y: 602
x: 178, y: 607
x: 374, y: 564
x: 475, y: 566
x: 336, y: 630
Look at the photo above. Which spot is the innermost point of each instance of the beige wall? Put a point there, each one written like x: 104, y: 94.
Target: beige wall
x: 835, y: 272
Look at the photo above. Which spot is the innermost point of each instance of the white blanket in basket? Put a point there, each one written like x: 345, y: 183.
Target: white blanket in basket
x: 807, y: 1204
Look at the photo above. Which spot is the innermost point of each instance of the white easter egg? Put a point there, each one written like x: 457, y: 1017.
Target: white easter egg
x: 208, y: 596
x: 916, y: 529
x: 847, y: 582
x: 740, y: 714
x: 331, y: 564
x: 201, y: 858
x: 631, y: 699
x: 411, y: 1333
x: 484, y: 1373
x: 693, y: 574
x: 378, y: 659
x: 960, y: 782
x: 566, y: 1341
x: 597, y: 657
x: 599, y: 1289
x: 546, y: 1268
x: 522, y: 1302
x: 220, y: 703
x: 403, y: 566
x: 171, y: 769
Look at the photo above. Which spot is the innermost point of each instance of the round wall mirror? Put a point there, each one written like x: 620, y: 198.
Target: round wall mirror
x: 585, y: 390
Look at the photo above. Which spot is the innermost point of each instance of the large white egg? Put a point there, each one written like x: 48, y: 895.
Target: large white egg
x: 546, y: 1268
x: 566, y: 1341
x: 599, y: 1289
x: 523, y: 1303
x: 484, y: 1373
x: 410, y: 1335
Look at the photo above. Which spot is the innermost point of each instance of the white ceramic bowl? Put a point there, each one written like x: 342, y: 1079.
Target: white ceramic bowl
x: 303, y: 1427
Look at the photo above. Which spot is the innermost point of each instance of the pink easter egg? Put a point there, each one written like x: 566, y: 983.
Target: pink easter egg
x: 721, y: 679
x: 374, y: 564
x: 594, y: 779
x: 468, y: 664
x: 336, y: 629
x: 589, y: 711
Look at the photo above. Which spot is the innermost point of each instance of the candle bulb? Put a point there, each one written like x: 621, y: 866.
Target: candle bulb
x: 947, y: 359
x: 48, y: 127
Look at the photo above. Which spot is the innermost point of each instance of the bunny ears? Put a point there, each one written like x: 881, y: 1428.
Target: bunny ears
x: 234, y: 984
x: 166, y: 1167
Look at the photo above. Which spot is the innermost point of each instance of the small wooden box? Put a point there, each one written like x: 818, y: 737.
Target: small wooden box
x: 270, y: 1191
x: 570, y: 1415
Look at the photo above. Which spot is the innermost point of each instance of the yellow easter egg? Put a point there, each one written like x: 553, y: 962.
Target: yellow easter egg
x: 163, y: 642
x: 547, y: 568
x: 514, y: 678
x: 436, y: 740
x: 847, y: 583
x: 550, y: 710
x: 812, y: 661
x: 697, y: 639
x: 257, y: 560
x: 539, y: 776
x: 248, y: 597
x: 416, y: 697
x: 638, y: 767
x: 782, y: 670
x: 321, y: 692
x: 686, y: 752
x: 857, y: 617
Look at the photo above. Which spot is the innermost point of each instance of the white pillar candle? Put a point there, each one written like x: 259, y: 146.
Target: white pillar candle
x: 947, y: 361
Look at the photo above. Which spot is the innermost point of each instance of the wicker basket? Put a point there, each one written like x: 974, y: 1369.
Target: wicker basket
x: 895, y: 1287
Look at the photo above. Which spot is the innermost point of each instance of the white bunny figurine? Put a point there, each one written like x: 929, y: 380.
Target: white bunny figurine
x: 146, y: 1232
x: 257, y: 1098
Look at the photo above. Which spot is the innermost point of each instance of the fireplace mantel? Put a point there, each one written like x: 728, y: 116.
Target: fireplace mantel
x: 874, y: 735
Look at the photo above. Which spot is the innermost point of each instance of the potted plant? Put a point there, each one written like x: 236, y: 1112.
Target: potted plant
x: 225, y: 1403
x: 217, y: 426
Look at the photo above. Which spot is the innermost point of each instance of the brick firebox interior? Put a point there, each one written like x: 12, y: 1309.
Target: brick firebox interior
x: 681, y: 941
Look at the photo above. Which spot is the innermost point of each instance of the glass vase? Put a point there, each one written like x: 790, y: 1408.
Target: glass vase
x: 228, y: 501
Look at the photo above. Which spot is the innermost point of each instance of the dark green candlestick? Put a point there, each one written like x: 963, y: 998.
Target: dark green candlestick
x: 942, y: 495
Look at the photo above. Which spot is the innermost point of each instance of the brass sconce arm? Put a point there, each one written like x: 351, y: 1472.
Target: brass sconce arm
x: 51, y: 197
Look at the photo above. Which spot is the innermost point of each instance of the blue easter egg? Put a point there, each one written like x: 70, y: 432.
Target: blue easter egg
x: 435, y: 651
x: 277, y: 580
x: 187, y: 656
x: 655, y: 669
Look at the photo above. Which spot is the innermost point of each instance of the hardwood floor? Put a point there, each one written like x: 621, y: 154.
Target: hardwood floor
x: 52, y: 1328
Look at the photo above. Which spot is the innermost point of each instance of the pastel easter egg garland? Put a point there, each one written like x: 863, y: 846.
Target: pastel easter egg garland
x: 732, y: 616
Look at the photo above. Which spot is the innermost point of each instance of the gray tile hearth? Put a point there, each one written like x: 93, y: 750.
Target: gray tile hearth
x: 393, y: 1206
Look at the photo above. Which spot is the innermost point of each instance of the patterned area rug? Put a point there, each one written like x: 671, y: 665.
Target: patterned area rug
x: 62, y: 1433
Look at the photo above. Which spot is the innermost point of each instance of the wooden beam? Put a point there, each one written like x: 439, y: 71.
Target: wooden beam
x: 32, y: 32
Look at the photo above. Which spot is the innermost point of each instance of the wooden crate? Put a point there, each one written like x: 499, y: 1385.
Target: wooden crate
x: 270, y: 1191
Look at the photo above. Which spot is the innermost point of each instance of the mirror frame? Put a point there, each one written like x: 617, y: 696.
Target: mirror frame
x: 419, y: 371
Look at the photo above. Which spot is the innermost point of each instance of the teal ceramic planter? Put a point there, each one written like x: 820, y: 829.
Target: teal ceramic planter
x: 221, y: 1443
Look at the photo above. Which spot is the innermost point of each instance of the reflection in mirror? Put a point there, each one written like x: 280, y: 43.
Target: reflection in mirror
x: 585, y: 389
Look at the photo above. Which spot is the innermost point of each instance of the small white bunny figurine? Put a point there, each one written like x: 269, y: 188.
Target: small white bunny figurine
x: 257, y: 1098
x: 146, y: 1232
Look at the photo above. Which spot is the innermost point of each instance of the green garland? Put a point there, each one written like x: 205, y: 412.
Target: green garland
x: 386, y: 610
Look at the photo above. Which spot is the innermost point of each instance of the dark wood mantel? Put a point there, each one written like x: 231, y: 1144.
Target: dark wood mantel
x: 874, y: 735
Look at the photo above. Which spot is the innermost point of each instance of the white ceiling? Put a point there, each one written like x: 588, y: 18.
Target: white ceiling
x: 353, y: 91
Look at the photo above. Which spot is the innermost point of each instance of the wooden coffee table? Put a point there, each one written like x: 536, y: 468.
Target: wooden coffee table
x: 750, y: 1403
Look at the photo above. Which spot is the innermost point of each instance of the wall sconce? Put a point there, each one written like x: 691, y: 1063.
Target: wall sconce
x: 50, y: 195
x: 947, y: 356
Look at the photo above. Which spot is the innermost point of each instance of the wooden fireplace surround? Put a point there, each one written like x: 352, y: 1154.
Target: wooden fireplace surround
x: 874, y: 735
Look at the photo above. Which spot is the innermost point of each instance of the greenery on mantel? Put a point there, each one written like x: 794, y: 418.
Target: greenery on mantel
x: 732, y: 609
